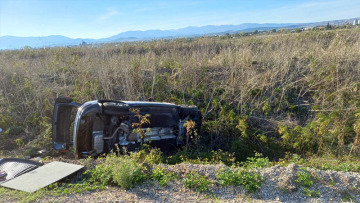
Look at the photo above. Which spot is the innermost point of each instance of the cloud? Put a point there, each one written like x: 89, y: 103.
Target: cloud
x: 109, y: 13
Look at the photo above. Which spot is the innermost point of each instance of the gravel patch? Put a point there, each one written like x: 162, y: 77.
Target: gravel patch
x: 279, y: 186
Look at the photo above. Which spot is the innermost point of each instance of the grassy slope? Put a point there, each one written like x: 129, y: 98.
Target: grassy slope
x: 302, y: 87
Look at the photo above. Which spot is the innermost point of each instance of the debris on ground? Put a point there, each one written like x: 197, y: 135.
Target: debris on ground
x: 26, y: 175
x: 14, y: 167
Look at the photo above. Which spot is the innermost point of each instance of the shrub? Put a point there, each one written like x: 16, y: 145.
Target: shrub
x: 124, y: 171
x: 127, y: 173
x: 194, y: 180
x: 102, y: 173
x: 304, y: 179
x: 257, y: 162
x: 162, y: 176
x: 251, y: 181
x: 14, y: 130
x: 311, y: 193
x: 148, y: 155
x: 202, y: 156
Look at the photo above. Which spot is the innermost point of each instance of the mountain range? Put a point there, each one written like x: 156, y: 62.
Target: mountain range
x: 12, y: 42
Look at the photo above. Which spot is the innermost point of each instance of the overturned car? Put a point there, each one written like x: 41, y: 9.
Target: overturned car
x: 98, y: 126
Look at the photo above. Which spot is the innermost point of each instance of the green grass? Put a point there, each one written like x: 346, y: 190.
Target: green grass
x: 19, y: 196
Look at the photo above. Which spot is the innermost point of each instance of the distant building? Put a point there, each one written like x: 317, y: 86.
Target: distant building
x: 356, y: 22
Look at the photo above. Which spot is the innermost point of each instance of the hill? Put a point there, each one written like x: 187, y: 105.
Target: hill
x: 12, y: 42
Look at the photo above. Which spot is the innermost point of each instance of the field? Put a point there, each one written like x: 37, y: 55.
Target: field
x: 271, y: 94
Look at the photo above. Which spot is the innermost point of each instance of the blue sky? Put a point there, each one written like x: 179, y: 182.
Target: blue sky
x: 105, y: 18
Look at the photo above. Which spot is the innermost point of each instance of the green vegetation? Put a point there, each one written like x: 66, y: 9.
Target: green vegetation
x: 20, y: 196
x: 257, y: 162
x: 201, y: 156
x: 325, y: 162
x: 304, y: 178
x: 162, y: 176
x: 311, y: 193
x: 251, y: 181
x: 194, y: 180
x: 127, y: 173
x: 347, y: 197
x: 138, y: 126
x: 131, y: 169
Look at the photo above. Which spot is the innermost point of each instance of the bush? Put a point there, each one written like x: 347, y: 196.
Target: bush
x: 311, y: 193
x: 148, y: 155
x: 14, y: 130
x: 194, y: 180
x: 163, y: 176
x: 102, y: 173
x: 304, y: 179
x: 127, y: 173
x: 205, y: 157
x: 124, y: 171
x: 257, y: 162
x: 251, y: 181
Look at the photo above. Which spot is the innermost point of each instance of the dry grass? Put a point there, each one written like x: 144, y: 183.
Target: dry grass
x: 274, y: 79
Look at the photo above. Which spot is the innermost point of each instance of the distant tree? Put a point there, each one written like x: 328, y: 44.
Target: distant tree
x: 273, y: 30
x: 83, y: 43
x: 256, y: 32
x: 27, y: 48
x: 328, y: 26
x: 226, y: 36
x: 236, y: 35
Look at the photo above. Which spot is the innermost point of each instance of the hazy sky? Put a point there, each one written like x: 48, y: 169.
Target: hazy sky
x: 105, y: 18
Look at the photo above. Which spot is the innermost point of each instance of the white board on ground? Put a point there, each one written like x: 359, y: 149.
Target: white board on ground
x: 42, y: 176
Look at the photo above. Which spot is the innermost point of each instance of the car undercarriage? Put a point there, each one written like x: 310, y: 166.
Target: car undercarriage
x: 101, y: 125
